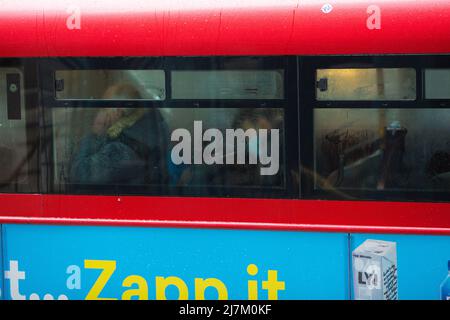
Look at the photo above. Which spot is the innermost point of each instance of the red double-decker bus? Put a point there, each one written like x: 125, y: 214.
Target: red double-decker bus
x: 329, y: 117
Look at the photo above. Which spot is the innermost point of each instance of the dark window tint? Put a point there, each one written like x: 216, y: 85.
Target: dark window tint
x: 110, y: 84
x: 437, y: 83
x: 228, y: 84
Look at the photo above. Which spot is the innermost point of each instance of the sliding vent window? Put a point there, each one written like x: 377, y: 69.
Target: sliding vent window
x: 437, y: 83
x: 366, y: 84
x: 110, y: 85
x: 228, y: 84
x: 382, y: 149
x: 168, y: 147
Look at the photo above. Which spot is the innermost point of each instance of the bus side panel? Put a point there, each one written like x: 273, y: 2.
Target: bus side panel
x: 421, y: 263
x: 2, y: 252
x: 87, y: 262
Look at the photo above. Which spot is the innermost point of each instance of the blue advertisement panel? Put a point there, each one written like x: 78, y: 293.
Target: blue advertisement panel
x: 404, y: 267
x: 70, y: 262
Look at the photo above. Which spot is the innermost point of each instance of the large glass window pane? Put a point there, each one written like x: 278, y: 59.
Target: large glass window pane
x: 110, y: 84
x: 437, y: 83
x: 228, y: 84
x: 366, y: 84
x: 16, y: 152
x: 382, y: 149
x: 183, y: 147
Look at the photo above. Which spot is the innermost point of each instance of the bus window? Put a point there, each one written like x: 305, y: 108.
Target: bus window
x: 97, y: 84
x: 366, y: 84
x: 437, y: 83
x: 170, y: 147
x: 15, y: 150
x: 227, y: 84
x: 382, y: 149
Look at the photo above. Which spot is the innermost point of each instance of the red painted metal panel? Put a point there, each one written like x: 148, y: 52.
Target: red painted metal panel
x: 221, y: 27
x: 310, y: 215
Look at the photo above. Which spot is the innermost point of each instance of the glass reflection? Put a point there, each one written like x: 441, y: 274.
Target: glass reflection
x: 366, y: 84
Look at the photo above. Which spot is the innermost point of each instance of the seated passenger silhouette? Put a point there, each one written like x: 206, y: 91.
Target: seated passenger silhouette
x: 250, y: 174
x: 125, y: 145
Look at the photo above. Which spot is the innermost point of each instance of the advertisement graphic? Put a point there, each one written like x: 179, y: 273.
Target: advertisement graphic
x: 445, y: 287
x: 70, y: 262
x: 375, y: 270
x: 421, y: 262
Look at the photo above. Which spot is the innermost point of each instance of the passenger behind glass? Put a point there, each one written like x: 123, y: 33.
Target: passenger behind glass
x: 125, y: 145
x: 250, y: 174
x: 438, y: 169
